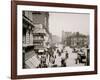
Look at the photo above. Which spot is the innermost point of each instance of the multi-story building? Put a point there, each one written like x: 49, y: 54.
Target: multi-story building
x: 41, y: 32
x: 35, y: 33
x: 27, y: 36
x: 38, y: 34
x: 35, y: 27
x: 79, y: 40
x: 65, y: 36
x: 55, y: 40
x: 41, y: 18
x: 28, y: 27
x: 76, y: 40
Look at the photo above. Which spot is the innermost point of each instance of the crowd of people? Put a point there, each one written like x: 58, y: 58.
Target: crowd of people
x: 53, y: 58
x: 57, y: 57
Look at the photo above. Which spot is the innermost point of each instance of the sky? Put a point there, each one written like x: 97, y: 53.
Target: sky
x: 68, y: 22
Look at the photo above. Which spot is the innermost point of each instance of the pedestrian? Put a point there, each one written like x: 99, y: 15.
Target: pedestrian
x: 63, y: 63
x: 58, y: 59
x: 51, y: 60
x: 42, y: 63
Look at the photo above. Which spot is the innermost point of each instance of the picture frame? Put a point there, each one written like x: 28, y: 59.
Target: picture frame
x: 18, y: 8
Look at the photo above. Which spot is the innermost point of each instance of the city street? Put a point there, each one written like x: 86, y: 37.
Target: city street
x: 65, y: 57
x: 51, y: 40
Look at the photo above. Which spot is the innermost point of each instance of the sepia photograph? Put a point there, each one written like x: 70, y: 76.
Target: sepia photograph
x: 55, y: 39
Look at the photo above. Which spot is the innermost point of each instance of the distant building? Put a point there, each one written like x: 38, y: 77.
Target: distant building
x: 76, y: 40
x: 79, y: 40
x: 55, y: 40
x: 65, y: 36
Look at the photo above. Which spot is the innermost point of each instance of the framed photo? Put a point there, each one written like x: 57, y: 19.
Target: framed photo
x: 53, y: 39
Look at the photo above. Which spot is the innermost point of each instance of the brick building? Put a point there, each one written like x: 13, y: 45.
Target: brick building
x: 75, y: 39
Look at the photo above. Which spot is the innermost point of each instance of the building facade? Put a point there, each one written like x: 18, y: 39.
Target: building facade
x: 41, y: 32
x: 35, y: 33
x: 35, y: 29
x: 65, y: 36
x: 76, y: 39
